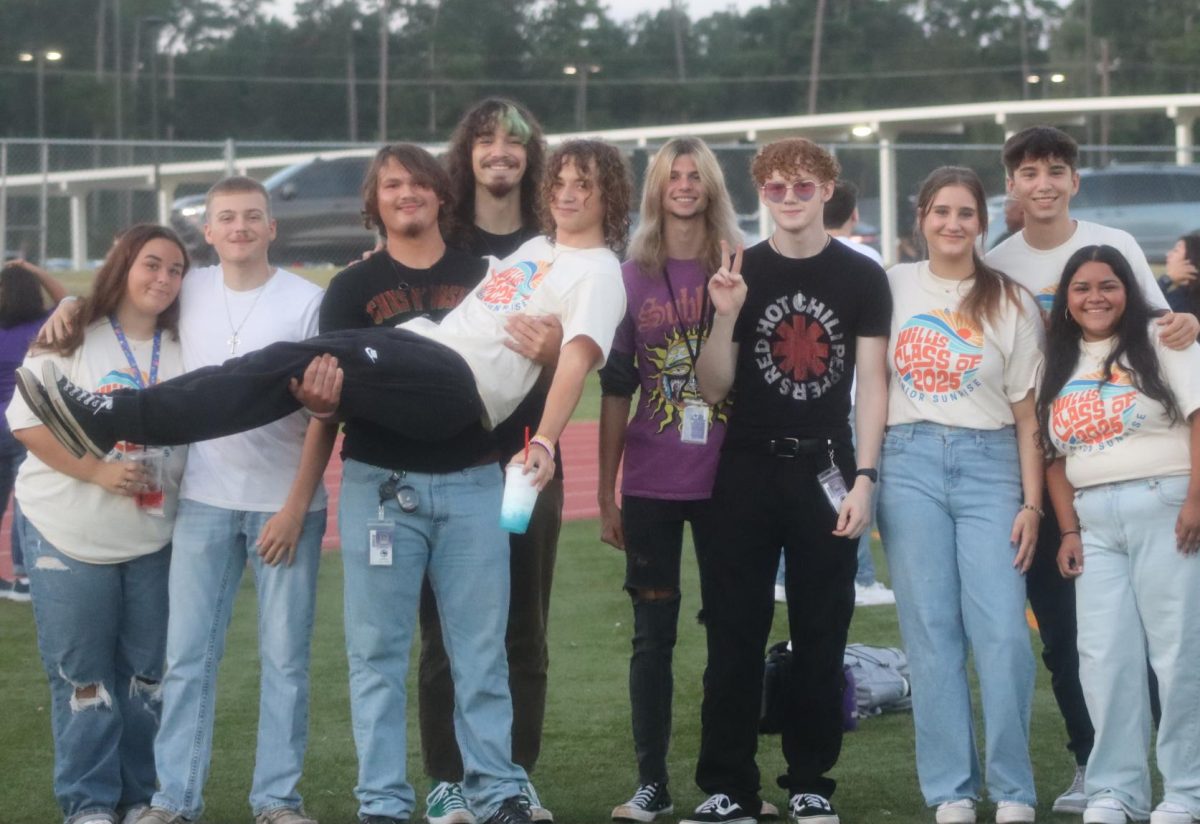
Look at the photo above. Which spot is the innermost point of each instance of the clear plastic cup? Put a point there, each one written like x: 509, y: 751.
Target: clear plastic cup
x: 153, y: 462
x: 519, y: 497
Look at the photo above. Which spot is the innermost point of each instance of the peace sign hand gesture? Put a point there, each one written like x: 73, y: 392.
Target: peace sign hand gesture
x: 726, y: 287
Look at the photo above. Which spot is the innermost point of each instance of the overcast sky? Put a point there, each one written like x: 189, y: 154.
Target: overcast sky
x: 617, y: 9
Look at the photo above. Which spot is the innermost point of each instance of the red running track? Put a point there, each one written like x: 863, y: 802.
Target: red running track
x: 581, y: 468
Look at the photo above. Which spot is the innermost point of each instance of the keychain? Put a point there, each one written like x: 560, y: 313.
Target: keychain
x: 833, y: 484
x: 695, y: 422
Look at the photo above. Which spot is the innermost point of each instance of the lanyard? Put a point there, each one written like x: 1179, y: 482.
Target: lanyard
x: 704, y: 321
x: 154, y: 352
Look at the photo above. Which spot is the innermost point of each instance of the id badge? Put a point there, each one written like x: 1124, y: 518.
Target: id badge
x: 379, y: 541
x: 834, y: 486
x: 695, y: 422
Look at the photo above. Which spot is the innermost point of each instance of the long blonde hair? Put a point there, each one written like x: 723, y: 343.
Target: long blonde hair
x: 648, y: 247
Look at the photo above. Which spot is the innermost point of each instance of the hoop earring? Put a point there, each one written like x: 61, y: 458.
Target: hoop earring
x: 1067, y: 315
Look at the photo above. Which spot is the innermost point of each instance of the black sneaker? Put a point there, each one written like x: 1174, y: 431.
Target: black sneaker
x: 719, y: 809
x: 810, y: 808
x: 513, y: 810
x: 650, y: 801
x: 38, y: 401
x: 88, y: 415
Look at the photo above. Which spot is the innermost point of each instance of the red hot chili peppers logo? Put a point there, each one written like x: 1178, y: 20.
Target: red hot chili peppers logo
x: 800, y: 347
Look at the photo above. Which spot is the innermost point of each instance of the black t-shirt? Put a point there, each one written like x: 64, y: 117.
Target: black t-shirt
x: 796, y: 341
x: 381, y: 291
x: 481, y: 243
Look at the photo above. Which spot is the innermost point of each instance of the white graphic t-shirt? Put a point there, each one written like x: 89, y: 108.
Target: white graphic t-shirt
x: 1110, y: 431
x: 1039, y: 270
x: 581, y: 287
x: 945, y: 368
x: 251, y: 471
x: 83, y: 520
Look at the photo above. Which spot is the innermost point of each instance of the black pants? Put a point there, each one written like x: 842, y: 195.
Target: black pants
x: 763, y: 503
x: 1052, y: 598
x: 394, y: 378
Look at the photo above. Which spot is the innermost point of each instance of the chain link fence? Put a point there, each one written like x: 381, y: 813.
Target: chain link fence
x: 61, y: 202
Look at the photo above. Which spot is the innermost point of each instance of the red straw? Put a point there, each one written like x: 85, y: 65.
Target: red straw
x: 527, y: 444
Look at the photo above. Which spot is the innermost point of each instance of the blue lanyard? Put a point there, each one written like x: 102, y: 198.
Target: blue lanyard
x: 154, y: 352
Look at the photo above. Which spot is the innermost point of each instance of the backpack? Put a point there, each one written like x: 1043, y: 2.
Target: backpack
x: 881, y: 679
x: 777, y: 679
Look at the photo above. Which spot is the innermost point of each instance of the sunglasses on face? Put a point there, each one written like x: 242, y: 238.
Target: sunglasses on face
x: 776, y: 192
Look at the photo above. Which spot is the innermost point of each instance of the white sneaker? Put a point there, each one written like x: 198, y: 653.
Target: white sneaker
x: 873, y: 595
x: 780, y: 594
x: 961, y: 811
x: 1169, y: 812
x: 1104, y: 810
x: 1074, y: 798
x: 1014, y: 812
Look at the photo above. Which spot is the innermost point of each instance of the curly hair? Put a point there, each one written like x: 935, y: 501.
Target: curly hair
x: 791, y: 157
x: 606, y: 165
x: 425, y: 171
x: 482, y: 119
x: 109, y: 285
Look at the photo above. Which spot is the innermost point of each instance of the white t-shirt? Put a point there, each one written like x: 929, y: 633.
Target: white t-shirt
x: 861, y: 248
x: 1113, y: 432
x: 250, y: 471
x: 81, y: 519
x: 581, y: 287
x: 944, y: 368
x: 1039, y: 270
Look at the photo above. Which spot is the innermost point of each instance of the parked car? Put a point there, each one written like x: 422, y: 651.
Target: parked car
x: 317, y: 206
x: 1155, y: 202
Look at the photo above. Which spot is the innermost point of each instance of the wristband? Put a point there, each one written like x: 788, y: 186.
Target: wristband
x: 68, y: 299
x: 544, y: 442
x: 1033, y: 508
x: 869, y: 473
x: 1067, y: 532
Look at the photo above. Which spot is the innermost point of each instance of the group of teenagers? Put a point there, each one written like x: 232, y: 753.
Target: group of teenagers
x: 1023, y: 427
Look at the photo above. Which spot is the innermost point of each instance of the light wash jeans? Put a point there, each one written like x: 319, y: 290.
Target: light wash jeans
x: 100, y: 625
x: 211, y: 548
x: 947, y: 499
x: 1139, y: 594
x: 454, y: 537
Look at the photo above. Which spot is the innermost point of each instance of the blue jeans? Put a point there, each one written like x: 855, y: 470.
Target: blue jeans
x: 454, y: 537
x: 947, y: 500
x: 1139, y: 594
x: 100, y: 626
x: 211, y: 548
x: 12, y: 453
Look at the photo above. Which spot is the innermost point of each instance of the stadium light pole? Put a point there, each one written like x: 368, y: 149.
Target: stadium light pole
x: 581, y: 70
x: 39, y: 58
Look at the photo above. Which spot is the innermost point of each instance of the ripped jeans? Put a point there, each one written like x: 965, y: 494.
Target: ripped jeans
x: 102, y: 634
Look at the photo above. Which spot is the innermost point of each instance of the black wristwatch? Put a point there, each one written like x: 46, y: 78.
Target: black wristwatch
x: 871, y: 475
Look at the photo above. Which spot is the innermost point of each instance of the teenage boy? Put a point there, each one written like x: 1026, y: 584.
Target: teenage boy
x: 1041, y: 166
x: 495, y: 161
x: 251, y: 498
x: 786, y: 339
x: 672, y: 444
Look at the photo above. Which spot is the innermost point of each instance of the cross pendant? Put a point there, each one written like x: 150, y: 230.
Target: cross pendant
x: 233, y: 344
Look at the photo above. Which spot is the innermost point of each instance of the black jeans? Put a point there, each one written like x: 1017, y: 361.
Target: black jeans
x: 653, y: 550
x: 394, y: 378
x: 531, y: 564
x: 762, y: 503
x: 1052, y: 598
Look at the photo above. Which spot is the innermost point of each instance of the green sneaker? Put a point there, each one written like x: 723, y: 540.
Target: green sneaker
x: 446, y: 804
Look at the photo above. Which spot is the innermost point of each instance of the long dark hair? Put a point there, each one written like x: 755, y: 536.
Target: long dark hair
x: 991, y: 286
x: 612, y: 179
x: 1134, y: 346
x: 21, y: 298
x: 109, y: 286
x: 1191, y: 253
x: 480, y: 120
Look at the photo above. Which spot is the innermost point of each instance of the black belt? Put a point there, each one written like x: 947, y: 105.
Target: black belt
x: 791, y: 447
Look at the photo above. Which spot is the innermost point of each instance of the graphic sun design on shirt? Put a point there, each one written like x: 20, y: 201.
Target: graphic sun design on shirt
x: 800, y: 347
x: 1045, y: 298
x: 1091, y: 416
x: 509, y: 289
x: 938, y: 355
x: 675, y: 381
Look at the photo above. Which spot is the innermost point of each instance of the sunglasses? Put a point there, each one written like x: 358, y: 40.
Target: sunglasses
x: 776, y: 192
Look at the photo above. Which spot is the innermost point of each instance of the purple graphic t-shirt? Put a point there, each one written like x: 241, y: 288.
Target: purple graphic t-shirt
x: 667, y: 319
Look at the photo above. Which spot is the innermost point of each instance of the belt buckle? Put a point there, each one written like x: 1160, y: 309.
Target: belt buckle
x: 785, y: 447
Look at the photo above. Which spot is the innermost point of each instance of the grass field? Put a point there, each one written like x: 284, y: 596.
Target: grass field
x: 587, y: 758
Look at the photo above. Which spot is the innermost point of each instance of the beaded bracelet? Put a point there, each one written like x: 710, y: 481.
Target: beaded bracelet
x: 1068, y: 532
x: 544, y: 442
x: 1033, y: 508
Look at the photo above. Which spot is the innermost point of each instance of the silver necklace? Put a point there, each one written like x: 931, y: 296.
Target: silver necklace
x: 233, y: 339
